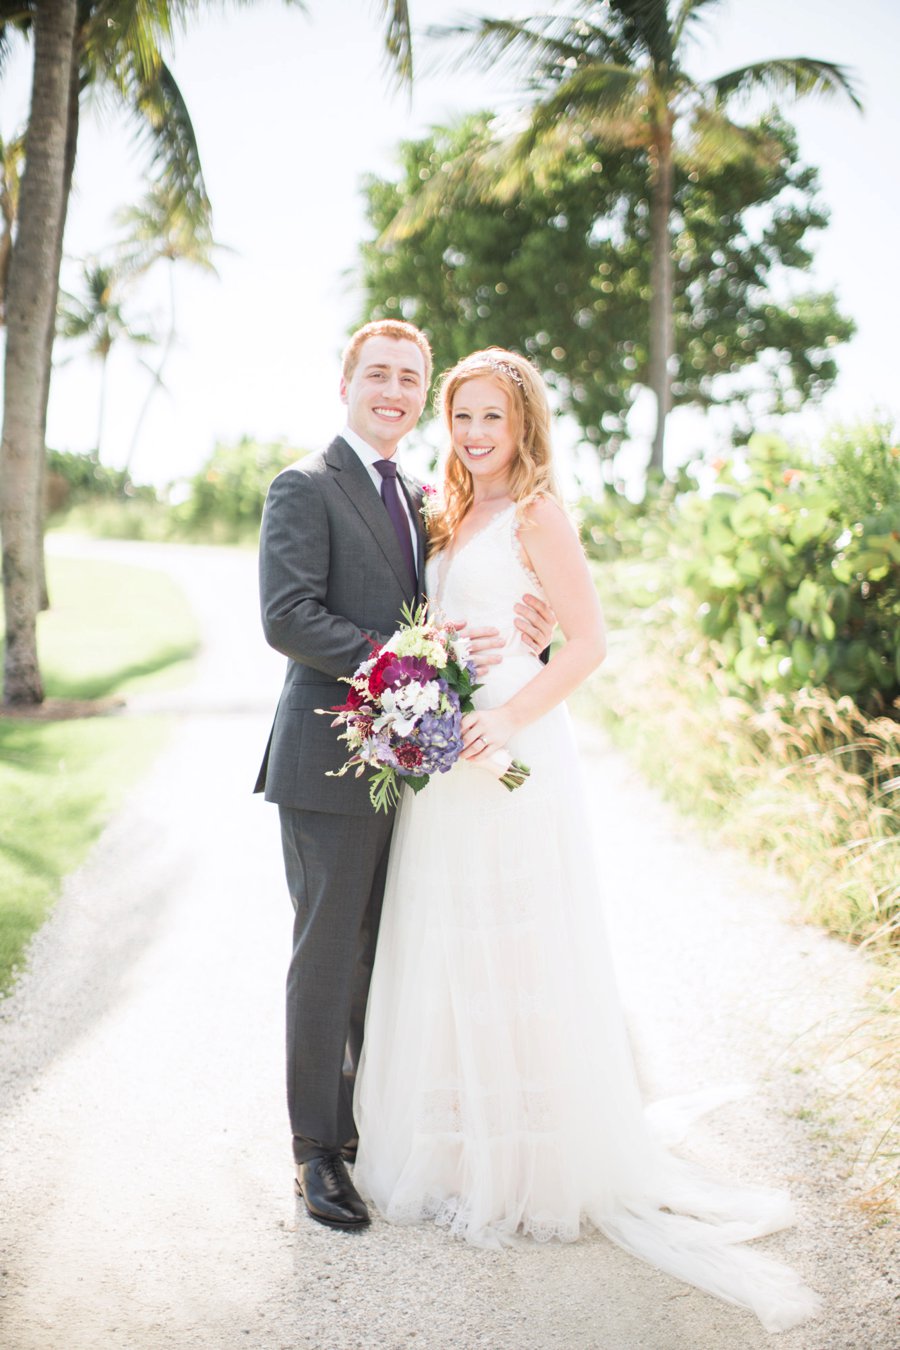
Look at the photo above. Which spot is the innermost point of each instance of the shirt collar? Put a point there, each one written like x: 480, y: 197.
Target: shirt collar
x: 362, y: 448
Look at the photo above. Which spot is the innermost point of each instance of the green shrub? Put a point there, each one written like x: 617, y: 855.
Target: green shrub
x: 75, y: 478
x: 226, y: 497
x: 795, y: 567
x: 612, y: 526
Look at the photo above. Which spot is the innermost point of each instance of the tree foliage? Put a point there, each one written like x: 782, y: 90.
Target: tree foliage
x: 227, y: 496
x: 614, y: 71
x: 563, y: 273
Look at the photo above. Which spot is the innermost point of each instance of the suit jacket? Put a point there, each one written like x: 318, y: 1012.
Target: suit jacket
x: 332, y: 578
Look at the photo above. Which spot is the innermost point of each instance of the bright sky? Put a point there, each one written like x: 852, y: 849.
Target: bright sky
x: 292, y: 110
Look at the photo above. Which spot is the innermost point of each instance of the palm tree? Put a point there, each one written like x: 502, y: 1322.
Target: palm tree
x: 99, y: 319
x: 30, y: 306
x: 613, y: 72
x: 117, y: 52
x: 161, y: 231
x: 114, y: 45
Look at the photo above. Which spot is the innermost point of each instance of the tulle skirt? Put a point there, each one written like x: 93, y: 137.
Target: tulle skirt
x: 496, y: 1093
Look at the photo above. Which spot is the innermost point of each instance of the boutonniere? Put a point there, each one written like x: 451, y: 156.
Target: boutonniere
x: 430, y: 504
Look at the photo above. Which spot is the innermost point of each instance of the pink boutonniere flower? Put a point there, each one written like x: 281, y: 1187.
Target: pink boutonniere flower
x: 430, y: 504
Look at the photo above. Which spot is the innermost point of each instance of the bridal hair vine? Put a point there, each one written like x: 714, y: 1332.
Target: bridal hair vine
x: 478, y: 361
x: 506, y: 368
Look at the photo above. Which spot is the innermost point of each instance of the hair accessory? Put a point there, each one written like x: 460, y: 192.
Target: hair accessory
x: 482, y: 359
x: 507, y: 368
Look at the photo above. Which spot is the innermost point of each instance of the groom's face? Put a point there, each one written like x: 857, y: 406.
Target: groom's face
x: 386, y: 392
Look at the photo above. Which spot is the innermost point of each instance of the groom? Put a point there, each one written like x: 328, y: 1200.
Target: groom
x: 342, y: 549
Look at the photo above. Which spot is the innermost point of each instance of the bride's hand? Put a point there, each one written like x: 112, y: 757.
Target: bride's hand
x: 487, y: 731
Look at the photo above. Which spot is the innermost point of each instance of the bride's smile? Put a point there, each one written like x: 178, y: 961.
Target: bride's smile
x: 483, y: 435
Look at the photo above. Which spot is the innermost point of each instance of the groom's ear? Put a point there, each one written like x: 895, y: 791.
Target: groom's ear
x: 343, y: 390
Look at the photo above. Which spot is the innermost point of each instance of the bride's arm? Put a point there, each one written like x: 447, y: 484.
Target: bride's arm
x: 555, y: 555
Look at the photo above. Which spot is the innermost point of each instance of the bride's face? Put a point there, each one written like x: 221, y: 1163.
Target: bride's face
x: 482, y: 432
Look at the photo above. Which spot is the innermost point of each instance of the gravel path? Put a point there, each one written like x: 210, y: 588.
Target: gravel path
x: 145, y: 1195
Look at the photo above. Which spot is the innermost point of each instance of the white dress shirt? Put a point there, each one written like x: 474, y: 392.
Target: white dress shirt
x: 370, y: 458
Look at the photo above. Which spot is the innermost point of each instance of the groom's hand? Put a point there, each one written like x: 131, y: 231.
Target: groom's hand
x: 536, y: 621
x: 485, y: 646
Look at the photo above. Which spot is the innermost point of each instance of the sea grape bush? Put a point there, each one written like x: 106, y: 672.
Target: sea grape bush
x: 794, y: 563
x: 790, y: 565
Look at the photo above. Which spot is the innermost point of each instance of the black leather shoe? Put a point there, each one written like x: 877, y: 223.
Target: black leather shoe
x: 348, y: 1151
x: 328, y: 1193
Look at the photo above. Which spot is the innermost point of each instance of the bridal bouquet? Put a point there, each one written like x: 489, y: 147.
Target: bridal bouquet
x: 403, y: 715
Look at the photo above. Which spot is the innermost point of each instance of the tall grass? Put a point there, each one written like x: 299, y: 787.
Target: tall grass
x: 803, y: 781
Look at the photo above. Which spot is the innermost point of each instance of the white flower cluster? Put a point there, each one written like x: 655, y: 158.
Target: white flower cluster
x: 404, y: 707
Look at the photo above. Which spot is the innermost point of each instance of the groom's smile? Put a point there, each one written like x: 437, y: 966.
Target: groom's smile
x: 386, y: 391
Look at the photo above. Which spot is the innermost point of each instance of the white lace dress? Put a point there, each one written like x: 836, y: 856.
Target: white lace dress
x: 496, y: 1092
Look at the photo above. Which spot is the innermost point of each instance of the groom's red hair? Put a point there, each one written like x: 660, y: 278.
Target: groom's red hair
x: 391, y: 328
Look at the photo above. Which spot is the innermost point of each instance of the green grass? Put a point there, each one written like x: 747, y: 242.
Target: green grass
x: 112, y: 630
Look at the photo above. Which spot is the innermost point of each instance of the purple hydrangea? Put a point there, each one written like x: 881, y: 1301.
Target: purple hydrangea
x: 440, y: 737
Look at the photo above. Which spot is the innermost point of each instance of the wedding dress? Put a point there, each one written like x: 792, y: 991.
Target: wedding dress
x: 496, y: 1092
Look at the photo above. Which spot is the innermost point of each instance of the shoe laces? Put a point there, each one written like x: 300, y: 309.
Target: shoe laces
x: 330, y: 1169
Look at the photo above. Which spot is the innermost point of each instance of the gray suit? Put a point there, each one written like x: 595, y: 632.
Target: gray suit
x: 332, y: 576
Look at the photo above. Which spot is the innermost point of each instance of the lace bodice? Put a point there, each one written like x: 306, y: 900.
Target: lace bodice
x: 484, y: 579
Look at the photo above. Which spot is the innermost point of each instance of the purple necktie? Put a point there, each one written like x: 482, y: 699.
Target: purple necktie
x: 391, y: 498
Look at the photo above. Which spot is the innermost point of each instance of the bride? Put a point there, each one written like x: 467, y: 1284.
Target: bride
x: 496, y: 1093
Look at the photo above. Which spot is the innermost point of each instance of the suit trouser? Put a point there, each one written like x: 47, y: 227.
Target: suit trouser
x: 335, y: 868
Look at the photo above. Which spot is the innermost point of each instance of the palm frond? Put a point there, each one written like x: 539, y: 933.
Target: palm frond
x: 605, y: 99
x: 645, y: 29
x: 159, y: 228
x: 12, y: 162
x: 17, y: 13
x: 398, y: 39
x: 690, y: 15
x: 130, y: 29
x: 15, y: 21
x: 162, y: 122
x: 797, y: 75
x: 545, y: 46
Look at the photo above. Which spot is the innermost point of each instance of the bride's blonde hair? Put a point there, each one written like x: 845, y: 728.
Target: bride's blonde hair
x: 531, y: 473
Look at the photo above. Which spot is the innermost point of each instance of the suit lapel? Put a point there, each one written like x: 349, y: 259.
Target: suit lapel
x: 351, y: 476
x: 413, y: 493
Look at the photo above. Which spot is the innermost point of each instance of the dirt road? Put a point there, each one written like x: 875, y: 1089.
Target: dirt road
x: 145, y: 1177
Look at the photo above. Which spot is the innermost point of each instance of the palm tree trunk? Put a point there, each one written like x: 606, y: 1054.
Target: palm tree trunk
x: 661, y: 300
x: 31, y: 304
x: 71, y: 149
